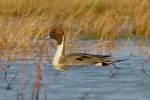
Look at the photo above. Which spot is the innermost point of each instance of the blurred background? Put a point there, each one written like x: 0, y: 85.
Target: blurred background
x: 93, y: 18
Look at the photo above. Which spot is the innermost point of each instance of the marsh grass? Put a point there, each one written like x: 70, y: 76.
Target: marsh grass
x: 23, y: 22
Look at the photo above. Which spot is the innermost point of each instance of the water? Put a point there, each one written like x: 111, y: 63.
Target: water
x: 81, y: 83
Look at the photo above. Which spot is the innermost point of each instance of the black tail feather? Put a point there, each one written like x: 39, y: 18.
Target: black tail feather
x: 119, y: 60
x: 108, y: 62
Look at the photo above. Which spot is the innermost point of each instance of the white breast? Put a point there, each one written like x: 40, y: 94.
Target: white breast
x: 58, y: 54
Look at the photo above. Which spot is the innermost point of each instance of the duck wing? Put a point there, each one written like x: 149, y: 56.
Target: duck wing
x: 82, y: 59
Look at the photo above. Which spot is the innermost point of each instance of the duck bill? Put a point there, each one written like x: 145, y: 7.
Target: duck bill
x: 47, y: 36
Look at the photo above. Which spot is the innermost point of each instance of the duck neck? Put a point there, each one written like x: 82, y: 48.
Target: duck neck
x: 62, y: 47
x: 60, y: 52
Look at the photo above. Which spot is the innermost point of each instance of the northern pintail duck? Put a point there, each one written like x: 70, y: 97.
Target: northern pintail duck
x: 61, y: 61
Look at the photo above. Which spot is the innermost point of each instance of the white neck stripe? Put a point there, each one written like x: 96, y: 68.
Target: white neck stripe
x: 58, y: 53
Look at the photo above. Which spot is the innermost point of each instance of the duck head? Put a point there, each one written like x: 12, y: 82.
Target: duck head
x: 56, y: 34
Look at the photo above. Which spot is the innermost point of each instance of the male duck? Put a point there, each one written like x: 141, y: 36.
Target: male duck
x: 61, y: 61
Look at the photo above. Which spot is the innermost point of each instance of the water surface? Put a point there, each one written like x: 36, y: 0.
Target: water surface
x: 81, y: 83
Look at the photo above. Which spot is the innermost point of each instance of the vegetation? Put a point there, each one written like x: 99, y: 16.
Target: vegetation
x: 23, y: 22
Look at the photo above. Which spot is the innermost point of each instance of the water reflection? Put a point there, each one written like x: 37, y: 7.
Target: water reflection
x: 8, y: 86
x: 62, y: 69
x: 5, y: 69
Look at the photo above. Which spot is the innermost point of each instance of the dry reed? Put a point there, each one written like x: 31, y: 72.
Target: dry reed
x: 26, y: 22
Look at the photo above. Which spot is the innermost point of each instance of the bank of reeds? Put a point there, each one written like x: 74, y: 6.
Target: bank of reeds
x: 24, y: 22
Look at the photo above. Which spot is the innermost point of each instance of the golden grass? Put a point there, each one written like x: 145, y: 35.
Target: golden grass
x: 24, y: 22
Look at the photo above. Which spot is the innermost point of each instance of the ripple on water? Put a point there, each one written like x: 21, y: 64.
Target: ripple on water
x: 85, y: 82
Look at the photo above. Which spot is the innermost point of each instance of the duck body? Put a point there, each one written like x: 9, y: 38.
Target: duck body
x: 82, y: 59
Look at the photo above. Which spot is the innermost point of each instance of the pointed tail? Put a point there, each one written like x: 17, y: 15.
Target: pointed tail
x: 108, y: 62
x: 119, y: 60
